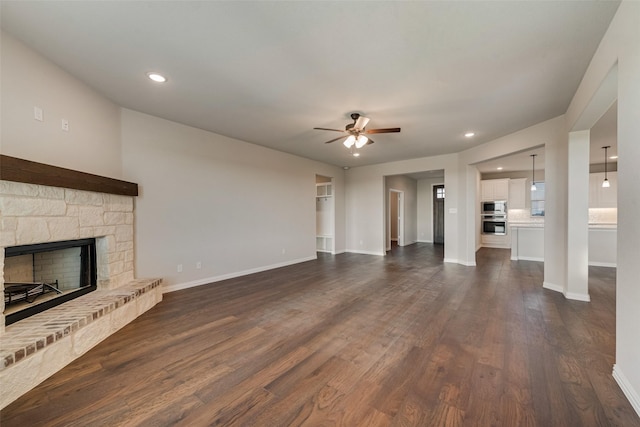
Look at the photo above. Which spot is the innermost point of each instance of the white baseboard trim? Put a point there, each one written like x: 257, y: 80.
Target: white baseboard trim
x: 356, y: 251
x: 577, y: 297
x: 602, y: 264
x: 553, y: 287
x: 207, y: 280
x: 631, y: 394
x: 528, y: 258
x: 457, y: 261
x: 424, y: 241
x: 341, y: 251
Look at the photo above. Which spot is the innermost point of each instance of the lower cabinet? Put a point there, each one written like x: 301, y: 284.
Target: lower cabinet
x: 493, y: 241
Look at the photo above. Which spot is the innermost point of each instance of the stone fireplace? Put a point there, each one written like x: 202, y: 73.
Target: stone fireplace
x: 32, y: 213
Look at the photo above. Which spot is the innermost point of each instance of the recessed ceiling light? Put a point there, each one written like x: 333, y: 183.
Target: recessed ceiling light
x: 158, y: 78
x: 356, y: 154
x: 613, y: 157
x: 469, y: 134
x: 499, y: 168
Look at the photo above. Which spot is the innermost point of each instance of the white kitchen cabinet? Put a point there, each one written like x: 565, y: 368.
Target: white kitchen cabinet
x: 517, y: 193
x: 494, y: 241
x: 494, y: 189
x: 600, y: 197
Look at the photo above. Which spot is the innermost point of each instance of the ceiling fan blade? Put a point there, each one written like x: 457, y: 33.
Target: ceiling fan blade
x: 360, y: 123
x: 386, y: 130
x: 335, y: 130
x: 335, y: 139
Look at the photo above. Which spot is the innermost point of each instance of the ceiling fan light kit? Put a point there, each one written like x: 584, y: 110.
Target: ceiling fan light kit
x: 356, y: 132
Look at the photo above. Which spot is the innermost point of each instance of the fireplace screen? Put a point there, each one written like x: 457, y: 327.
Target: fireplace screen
x: 38, y: 277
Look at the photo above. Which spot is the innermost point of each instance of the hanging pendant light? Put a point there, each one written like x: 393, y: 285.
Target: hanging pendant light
x: 605, y: 183
x: 533, y: 173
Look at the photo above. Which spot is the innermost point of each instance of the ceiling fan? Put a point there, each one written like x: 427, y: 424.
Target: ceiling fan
x: 356, y: 132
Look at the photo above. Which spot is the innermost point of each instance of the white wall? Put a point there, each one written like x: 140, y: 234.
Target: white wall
x: 551, y: 134
x: 425, y: 208
x: 621, y: 46
x: 233, y: 206
x: 365, y: 208
x: 410, y: 205
x: 92, y: 143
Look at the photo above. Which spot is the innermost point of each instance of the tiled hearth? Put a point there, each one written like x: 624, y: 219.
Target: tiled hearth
x: 35, y: 348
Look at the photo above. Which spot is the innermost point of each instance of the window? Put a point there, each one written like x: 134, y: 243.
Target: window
x: 440, y: 193
x: 537, y: 200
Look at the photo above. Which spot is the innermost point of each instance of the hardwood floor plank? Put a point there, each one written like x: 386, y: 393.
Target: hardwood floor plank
x: 353, y: 340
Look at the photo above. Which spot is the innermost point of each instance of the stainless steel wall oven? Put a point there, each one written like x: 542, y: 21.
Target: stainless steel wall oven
x: 494, y: 224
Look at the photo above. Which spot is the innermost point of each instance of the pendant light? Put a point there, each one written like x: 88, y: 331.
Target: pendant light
x: 605, y: 183
x: 533, y: 173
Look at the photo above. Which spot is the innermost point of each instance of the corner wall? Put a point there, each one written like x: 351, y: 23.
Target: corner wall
x: 92, y: 143
x: 621, y: 46
x: 231, y: 206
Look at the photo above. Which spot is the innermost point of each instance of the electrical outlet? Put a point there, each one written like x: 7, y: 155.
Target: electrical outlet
x: 38, y: 114
x: 65, y: 125
x: 284, y: 251
x: 199, y: 265
x: 179, y: 268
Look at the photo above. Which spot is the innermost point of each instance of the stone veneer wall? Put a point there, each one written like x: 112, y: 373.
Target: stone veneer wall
x: 33, y: 349
x: 32, y: 213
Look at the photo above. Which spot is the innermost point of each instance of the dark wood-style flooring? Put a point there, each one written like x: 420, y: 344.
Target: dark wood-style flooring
x: 353, y: 340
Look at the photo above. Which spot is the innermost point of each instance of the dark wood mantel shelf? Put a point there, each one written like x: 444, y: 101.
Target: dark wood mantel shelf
x: 28, y: 172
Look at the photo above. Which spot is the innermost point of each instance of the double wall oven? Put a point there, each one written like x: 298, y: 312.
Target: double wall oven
x: 494, y: 217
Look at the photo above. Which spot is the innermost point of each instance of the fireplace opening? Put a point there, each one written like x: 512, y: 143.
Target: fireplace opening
x: 41, y: 276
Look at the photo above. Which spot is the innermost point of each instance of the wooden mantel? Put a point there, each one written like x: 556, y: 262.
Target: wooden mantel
x: 28, y: 172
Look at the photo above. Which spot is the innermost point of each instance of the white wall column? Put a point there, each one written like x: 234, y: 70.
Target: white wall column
x: 577, y: 286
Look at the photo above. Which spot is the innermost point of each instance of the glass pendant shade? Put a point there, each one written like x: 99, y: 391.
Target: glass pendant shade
x: 533, y: 172
x: 605, y: 183
x: 349, y: 141
x: 361, y: 141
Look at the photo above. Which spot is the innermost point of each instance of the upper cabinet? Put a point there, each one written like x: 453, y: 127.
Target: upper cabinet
x: 600, y: 197
x: 495, y: 189
x: 517, y: 193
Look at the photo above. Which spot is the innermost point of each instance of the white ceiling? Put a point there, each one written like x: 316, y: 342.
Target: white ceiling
x: 603, y: 133
x: 268, y: 72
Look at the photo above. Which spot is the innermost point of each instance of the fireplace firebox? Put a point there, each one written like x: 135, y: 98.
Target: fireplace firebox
x: 41, y: 276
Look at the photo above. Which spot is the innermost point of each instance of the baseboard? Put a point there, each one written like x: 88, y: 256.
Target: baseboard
x: 553, y: 287
x: 602, y: 264
x: 631, y: 394
x: 424, y: 241
x: 528, y: 258
x: 457, y: 261
x: 341, y: 251
x: 356, y: 251
x: 207, y: 280
x: 577, y: 297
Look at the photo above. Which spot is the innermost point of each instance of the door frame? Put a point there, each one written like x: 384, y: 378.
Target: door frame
x: 400, y: 219
x: 433, y: 213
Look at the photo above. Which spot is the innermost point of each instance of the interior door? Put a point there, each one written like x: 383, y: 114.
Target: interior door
x: 438, y: 214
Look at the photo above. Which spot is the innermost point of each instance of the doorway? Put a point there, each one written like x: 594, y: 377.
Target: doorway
x: 396, y: 218
x: 438, y: 214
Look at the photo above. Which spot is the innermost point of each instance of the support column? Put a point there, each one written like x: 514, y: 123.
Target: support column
x: 577, y: 284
